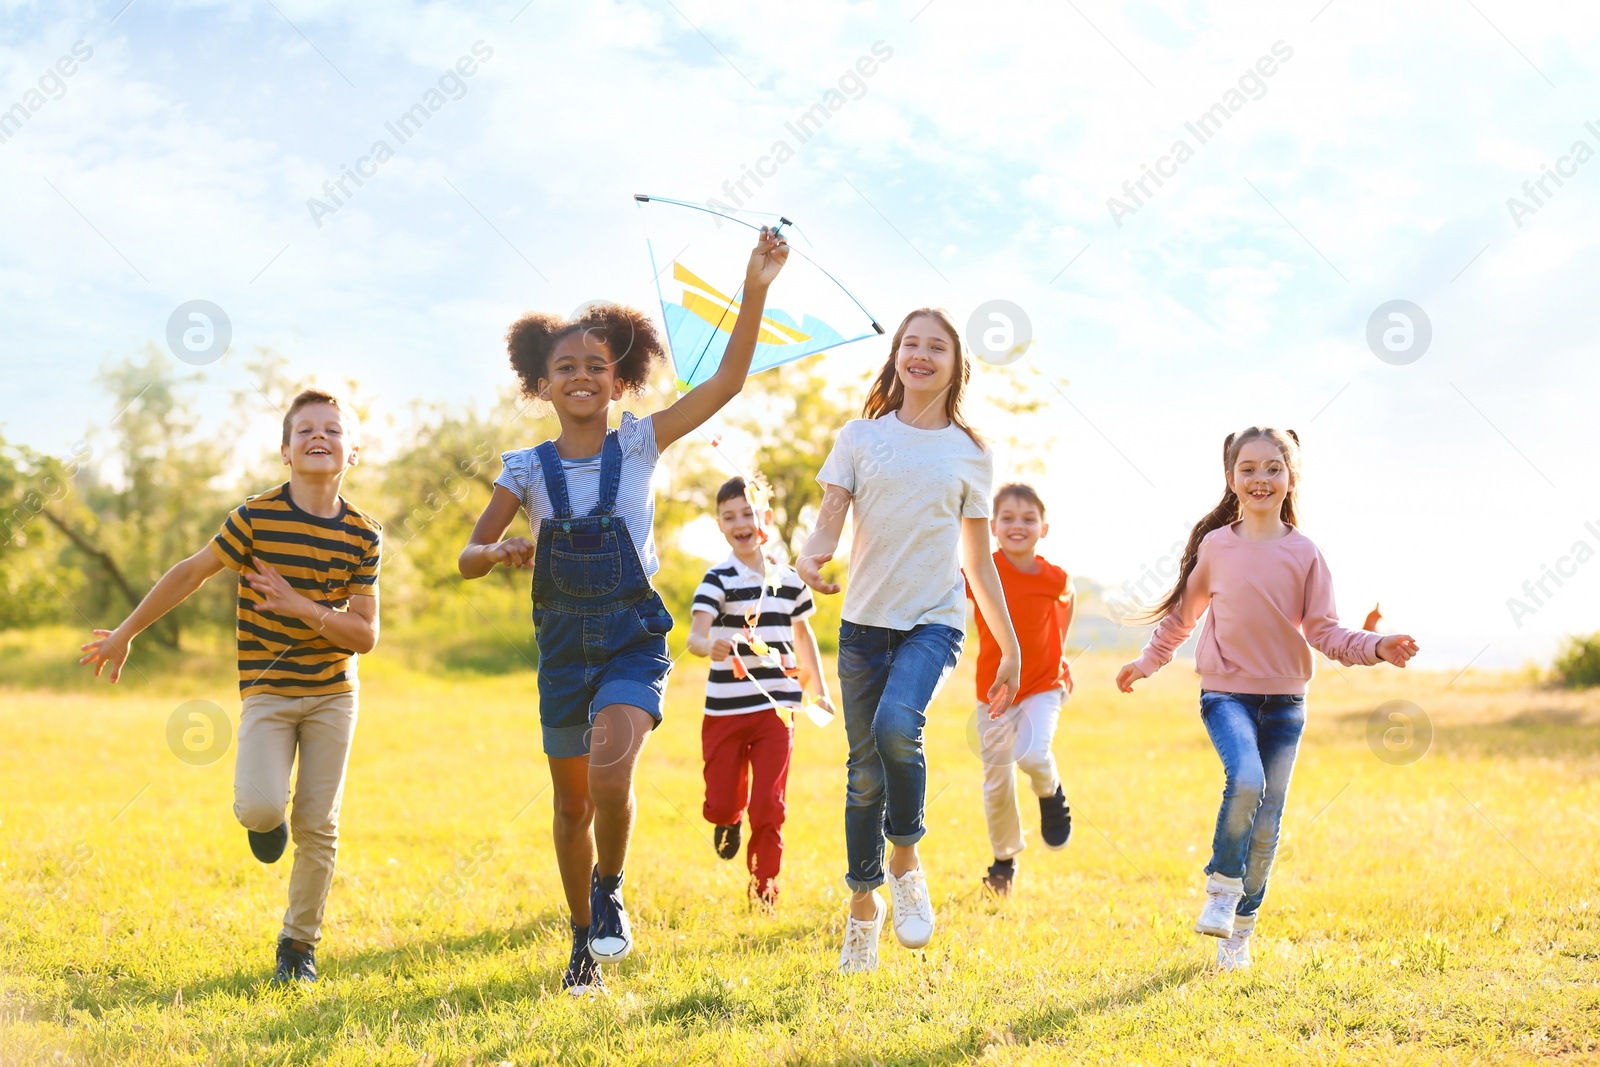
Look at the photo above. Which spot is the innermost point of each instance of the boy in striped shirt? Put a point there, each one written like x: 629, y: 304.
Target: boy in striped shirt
x: 750, y: 616
x: 307, y: 607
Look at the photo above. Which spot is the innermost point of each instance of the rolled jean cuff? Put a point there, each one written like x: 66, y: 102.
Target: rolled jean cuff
x: 907, y: 839
x: 859, y: 885
x: 623, y: 691
x: 565, y: 742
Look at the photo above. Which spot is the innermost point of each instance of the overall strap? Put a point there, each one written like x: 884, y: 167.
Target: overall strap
x: 555, y: 481
x: 610, y: 474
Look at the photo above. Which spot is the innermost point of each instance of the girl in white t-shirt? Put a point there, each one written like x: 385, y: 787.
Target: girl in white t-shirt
x: 919, y: 480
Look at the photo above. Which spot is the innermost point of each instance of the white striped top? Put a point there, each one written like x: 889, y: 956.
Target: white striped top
x: 636, y: 495
x: 727, y: 592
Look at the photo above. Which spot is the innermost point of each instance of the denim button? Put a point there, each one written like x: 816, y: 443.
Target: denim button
x: 567, y: 526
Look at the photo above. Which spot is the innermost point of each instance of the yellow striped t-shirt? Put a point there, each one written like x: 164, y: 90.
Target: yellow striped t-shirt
x: 327, y: 560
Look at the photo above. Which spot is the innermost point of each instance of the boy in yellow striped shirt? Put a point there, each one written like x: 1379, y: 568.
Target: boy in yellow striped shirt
x: 307, y: 608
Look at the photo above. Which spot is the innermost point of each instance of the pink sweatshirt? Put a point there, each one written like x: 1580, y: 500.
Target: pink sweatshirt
x: 1263, y: 595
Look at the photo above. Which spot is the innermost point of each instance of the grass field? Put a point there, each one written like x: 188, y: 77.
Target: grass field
x: 1443, y: 911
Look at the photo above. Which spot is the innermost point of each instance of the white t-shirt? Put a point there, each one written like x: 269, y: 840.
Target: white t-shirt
x: 911, y: 488
x: 636, y: 495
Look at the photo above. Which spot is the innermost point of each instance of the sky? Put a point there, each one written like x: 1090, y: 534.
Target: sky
x: 1356, y: 154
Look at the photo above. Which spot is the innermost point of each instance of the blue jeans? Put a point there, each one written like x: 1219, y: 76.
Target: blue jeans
x: 887, y: 679
x: 1257, y: 737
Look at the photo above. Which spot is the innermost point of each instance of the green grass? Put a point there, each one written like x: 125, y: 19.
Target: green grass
x: 1442, y: 912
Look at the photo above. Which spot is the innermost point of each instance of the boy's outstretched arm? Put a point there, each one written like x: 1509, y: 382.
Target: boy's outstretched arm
x: 700, y: 642
x: 809, y: 658
x: 485, y: 547
x: 110, y: 648
x: 708, y: 398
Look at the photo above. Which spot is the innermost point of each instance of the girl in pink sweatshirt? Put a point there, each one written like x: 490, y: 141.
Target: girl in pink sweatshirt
x: 1269, y: 593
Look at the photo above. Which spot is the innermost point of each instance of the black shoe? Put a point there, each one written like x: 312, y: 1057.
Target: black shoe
x: 583, y: 973
x: 294, y: 965
x: 269, y: 846
x: 1055, y: 819
x: 610, y: 934
x: 726, y: 839
x: 1001, y: 874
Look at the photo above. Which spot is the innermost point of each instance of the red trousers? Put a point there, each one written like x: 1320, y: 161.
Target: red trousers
x: 747, y: 764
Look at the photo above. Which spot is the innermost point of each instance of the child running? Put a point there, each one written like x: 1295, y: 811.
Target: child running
x: 750, y: 617
x: 307, y: 609
x: 1269, y: 593
x: 919, y: 478
x: 600, y: 625
x: 1040, y: 599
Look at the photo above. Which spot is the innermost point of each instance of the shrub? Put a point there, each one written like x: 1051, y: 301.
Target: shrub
x: 1578, y: 664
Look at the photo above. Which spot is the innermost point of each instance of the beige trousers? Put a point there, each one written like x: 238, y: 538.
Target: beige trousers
x: 1019, y: 740
x: 272, y: 730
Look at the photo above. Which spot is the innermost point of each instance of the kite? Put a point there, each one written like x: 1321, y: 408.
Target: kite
x: 699, y: 309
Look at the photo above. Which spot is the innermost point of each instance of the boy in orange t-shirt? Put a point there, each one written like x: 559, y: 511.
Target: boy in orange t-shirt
x: 1039, y: 598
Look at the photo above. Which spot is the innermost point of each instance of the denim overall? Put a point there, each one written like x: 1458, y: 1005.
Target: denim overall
x: 600, y: 625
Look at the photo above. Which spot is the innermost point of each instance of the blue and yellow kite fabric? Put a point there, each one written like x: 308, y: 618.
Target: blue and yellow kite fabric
x: 700, y: 313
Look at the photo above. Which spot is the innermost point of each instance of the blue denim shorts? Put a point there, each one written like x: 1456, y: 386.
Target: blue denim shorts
x: 587, y: 662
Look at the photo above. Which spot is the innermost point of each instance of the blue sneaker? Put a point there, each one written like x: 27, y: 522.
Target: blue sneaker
x: 268, y: 847
x: 583, y: 973
x: 610, y: 935
x: 294, y: 965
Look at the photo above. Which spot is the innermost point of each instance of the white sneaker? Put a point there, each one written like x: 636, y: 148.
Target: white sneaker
x: 913, y: 908
x: 1222, y: 898
x: 1233, y: 952
x: 860, y: 952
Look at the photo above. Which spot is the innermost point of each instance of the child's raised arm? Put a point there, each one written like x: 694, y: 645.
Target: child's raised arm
x: 111, y: 646
x: 709, y: 397
x: 485, y: 547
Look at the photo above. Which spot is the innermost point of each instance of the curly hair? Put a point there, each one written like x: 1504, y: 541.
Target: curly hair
x: 627, y: 334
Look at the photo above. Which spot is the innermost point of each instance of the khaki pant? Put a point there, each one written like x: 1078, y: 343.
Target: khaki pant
x: 271, y: 729
x: 1019, y: 740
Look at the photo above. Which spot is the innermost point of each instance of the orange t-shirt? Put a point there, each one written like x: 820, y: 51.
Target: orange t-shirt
x: 1039, y: 616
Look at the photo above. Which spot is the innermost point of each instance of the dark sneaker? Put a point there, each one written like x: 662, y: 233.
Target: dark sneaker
x: 1055, y: 819
x: 294, y: 965
x: 268, y: 847
x: 583, y: 973
x: 610, y: 934
x: 1001, y: 874
x: 726, y: 839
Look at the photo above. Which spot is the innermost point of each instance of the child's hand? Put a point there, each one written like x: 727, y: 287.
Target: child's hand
x: 277, y: 595
x: 771, y: 253
x: 825, y: 702
x: 721, y: 649
x: 1397, y: 649
x: 110, y: 650
x: 1129, y: 674
x: 810, y: 568
x: 1007, y: 680
x: 516, y: 552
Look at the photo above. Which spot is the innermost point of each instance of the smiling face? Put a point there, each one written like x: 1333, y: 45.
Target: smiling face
x: 321, y: 440
x: 1017, y: 526
x: 925, y: 363
x: 739, y: 523
x: 580, y: 379
x: 1260, y: 477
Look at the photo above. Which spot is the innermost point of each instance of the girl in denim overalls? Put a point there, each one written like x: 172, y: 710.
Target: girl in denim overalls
x: 919, y: 480
x: 600, y: 625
